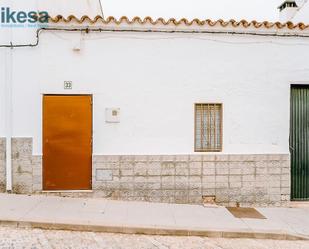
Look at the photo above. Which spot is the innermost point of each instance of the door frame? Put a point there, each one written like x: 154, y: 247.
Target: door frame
x: 42, y: 125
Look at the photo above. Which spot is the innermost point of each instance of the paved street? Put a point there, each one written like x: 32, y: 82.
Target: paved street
x: 11, y: 238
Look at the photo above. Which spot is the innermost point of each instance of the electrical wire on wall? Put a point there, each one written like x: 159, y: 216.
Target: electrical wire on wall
x: 87, y: 30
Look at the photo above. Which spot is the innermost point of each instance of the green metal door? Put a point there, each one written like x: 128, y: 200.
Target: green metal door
x: 299, y: 142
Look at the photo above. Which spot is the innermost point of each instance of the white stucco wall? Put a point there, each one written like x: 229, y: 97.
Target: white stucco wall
x: 2, y: 92
x: 303, y: 14
x: 156, y: 78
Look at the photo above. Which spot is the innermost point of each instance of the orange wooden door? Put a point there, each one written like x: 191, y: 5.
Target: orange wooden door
x: 67, y: 142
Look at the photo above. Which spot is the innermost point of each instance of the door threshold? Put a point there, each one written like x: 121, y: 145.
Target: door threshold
x: 299, y: 204
x: 67, y: 191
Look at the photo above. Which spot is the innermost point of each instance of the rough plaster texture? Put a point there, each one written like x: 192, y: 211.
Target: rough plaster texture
x: 2, y: 164
x: 259, y: 180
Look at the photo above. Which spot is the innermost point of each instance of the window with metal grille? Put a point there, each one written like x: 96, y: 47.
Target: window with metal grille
x: 208, y: 127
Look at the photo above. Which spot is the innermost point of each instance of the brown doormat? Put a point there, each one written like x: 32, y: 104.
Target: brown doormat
x: 249, y: 213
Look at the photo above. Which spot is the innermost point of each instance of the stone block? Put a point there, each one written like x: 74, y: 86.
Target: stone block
x: 285, y: 171
x: 126, y: 185
x: 167, y: 169
x: 182, y: 158
x: 222, y: 170
x: 168, y: 178
x: 248, y: 184
x: 249, y: 170
x: 182, y: 169
x: 285, y: 177
x: 168, y: 158
x: 154, y: 168
x: 209, y: 171
x: 37, y: 187
x: 154, y: 172
x: 248, y: 178
x: 209, y: 191
x: 154, y: 179
x: 126, y: 172
x: 168, y: 185
x: 235, y: 171
x: 195, y: 185
x: 195, y: 192
x: 107, y: 165
x: 222, y: 178
x: 248, y: 199
x: 37, y: 180
x: 181, y: 185
x: 154, y: 199
x: 209, y: 159
x: 181, y: 179
x: 140, y: 185
x: 285, y: 191
x: 274, y: 171
x: 274, y: 183
x: 235, y: 184
x: 195, y: 178
x: 235, y: 178
x: 127, y: 158
x: 208, y: 185
x: 141, y: 194
x: 275, y: 198
x: 208, y: 179
x: 154, y: 158
x: 273, y: 191
x: 21, y: 147
x: 261, y: 171
x: 285, y: 184
x: 154, y: 185
x: 103, y: 159
x: 155, y: 193
x: 223, y: 185
x: 195, y: 158
x: 222, y: 197
x: 195, y: 168
x: 167, y: 193
x: 195, y: 199
x: 141, y: 159
x: 140, y: 169
x: 140, y: 179
x: 222, y: 158
x: 285, y: 197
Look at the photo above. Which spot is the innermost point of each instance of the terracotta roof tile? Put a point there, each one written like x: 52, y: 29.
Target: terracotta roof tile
x: 183, y: 21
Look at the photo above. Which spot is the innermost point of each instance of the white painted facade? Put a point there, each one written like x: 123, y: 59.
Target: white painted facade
x: 155, y: 79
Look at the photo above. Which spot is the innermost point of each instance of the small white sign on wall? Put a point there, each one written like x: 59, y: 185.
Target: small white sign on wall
x: 112, y: 115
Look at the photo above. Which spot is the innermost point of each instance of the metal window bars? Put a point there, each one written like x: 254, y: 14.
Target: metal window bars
x: 208, y: 127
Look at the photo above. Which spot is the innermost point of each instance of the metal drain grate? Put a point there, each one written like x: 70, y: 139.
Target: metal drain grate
x: 249, y: 213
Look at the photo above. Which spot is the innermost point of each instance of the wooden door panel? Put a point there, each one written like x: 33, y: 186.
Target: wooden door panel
x: 67, y: 142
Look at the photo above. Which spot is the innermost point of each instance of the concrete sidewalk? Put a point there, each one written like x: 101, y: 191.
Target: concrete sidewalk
x: 102, y: 215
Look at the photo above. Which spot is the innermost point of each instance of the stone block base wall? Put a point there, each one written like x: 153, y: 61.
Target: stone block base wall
x: 27, y: 169
x: 2, y: 164
x: 251, y: 180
